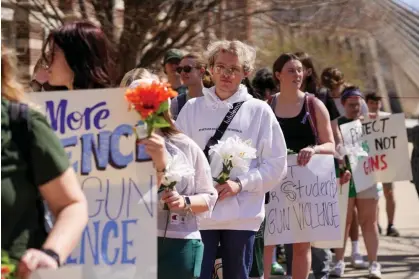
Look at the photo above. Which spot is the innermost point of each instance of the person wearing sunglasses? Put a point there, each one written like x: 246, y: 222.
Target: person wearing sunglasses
x: 192, y: 70
x: 171, y: 61
x: 39, y: 80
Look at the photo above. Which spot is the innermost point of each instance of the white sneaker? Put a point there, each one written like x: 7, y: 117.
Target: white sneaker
x: 338, y: 270
x: 375, y: 271
x: 357, y: 261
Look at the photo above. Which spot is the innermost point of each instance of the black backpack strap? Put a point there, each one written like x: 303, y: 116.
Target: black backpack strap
x: 20, y: 126
x: 181, y: 101
x: 222, y: 128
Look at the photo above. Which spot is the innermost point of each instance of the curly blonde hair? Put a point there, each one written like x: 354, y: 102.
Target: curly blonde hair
x: 11, y: 88
x: 245, y: 53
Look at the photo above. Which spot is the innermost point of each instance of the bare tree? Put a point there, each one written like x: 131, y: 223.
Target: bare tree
x: 151, y: 27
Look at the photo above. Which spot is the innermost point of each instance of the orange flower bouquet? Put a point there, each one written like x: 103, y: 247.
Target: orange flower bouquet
x: 8, y: 269
x: 150, y: 99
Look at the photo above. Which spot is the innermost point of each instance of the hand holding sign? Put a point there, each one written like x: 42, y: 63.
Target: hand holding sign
x: 384, y: 141
x: 305, y: 155
x: 304, y: 205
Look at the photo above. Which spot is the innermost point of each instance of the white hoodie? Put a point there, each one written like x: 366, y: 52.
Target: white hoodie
x: 199, y: 119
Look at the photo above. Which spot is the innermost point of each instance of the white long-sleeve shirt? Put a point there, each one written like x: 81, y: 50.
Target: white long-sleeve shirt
x: 180, y: 224
x: 199, y: 119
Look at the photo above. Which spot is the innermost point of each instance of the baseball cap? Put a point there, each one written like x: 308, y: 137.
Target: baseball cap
x: 173, y: 53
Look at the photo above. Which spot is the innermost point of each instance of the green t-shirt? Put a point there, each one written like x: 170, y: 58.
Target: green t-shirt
x: 31, y: 156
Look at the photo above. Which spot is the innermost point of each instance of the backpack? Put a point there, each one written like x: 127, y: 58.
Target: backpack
x: 181, y: 101
x: 20, y: 125
x: 322, y: 95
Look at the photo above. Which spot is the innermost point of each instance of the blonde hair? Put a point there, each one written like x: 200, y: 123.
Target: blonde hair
x: 137, y: 73
x: 11, y: 88
x: 245, y: 53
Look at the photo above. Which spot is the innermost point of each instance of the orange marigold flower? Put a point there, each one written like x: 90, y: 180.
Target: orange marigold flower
x: 146, y: 98
x: 5, y: 270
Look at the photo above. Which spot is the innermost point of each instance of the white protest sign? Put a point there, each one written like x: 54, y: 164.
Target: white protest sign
x: 120, y: 240
x: 343, y: 209
x: 304, y: 206
x: 385, y: 141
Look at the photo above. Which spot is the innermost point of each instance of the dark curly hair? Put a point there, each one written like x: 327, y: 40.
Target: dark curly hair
x: 263, y: 80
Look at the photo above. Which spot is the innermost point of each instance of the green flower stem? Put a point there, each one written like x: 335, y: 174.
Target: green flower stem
x: 170, y: 187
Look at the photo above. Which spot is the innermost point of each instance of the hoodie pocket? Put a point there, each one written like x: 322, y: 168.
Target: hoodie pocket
x: 226, y: 210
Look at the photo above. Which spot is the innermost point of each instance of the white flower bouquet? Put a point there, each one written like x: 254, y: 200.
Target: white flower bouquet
x: 176, y: 169
x: 235, y: 153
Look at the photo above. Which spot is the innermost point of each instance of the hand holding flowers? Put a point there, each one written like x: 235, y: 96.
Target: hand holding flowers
x: 173, y: 200
x: 150, y: 99
x: 235, y: 153
x: 7, y: 268
x: 176, y: 169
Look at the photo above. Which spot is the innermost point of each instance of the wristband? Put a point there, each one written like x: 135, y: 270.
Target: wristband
x: 239, y: 183
x: 53, y: 255
x: 161, y: 172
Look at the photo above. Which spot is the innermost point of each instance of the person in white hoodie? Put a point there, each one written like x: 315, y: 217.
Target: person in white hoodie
x: 228, y: 110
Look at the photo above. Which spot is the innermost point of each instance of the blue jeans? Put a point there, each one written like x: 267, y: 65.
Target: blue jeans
x: 320, y: 261
x: 236, y: 252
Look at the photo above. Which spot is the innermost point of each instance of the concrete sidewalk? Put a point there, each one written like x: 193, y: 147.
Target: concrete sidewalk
x: 399, y: 256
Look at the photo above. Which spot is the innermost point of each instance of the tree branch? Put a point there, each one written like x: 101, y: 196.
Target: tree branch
x: 82, y: 7
x: 55, y: 11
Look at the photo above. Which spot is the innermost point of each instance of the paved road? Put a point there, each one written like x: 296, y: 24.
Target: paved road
x: 399, y: 256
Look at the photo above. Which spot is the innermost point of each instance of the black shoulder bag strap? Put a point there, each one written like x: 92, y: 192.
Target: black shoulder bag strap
x: 181, y: 101
x: 222, y: 128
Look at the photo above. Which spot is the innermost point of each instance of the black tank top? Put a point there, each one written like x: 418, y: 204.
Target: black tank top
x: 297, y: 130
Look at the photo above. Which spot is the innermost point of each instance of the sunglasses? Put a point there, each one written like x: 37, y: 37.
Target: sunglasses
x: 38, y: 87
x: 186, y: 69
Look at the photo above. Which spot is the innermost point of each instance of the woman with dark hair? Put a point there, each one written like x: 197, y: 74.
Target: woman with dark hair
x: 264, y: 83
x: 180, y: 248
x: 39, y: 80
x: 78, y: 56
x: 311, y: 84
x: 290, y: 107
